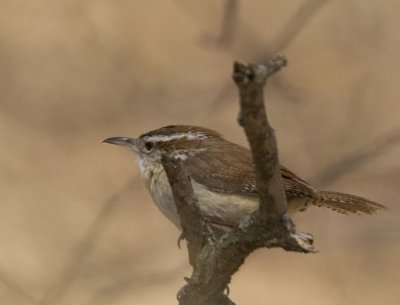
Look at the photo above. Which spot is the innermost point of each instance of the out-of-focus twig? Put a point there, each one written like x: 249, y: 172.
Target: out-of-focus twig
x: 357, y: 158
x: 229, y: 22
x: 284, y: 38
x: 84, y: 247
x: 295, y: 25
x: 12, y: 286
x: 138, y: 280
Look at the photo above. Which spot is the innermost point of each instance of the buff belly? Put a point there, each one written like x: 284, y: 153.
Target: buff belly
x: 222, y: 208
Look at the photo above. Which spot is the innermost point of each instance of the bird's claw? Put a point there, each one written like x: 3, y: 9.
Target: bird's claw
x: 180, y: 238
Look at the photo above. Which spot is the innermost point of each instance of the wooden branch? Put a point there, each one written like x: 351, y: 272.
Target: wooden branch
x: 215, y: 260
x: 250, y: 80
x: 271, y: 216
x: 194, y: 229
x: 200, y: 241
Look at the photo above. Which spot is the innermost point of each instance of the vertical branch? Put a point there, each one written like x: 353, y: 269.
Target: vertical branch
x: 250, y: 80
x: 193, y: 228
x: 214, y: 261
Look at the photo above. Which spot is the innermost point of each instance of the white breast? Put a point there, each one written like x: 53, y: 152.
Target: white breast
x: 228, y: 208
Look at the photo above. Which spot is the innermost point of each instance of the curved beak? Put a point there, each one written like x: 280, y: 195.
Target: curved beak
x: 123, y: 141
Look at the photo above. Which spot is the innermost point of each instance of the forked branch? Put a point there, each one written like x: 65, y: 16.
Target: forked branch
x: 215, y: 260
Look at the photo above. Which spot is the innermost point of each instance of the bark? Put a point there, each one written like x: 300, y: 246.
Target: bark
x: 215, y: 260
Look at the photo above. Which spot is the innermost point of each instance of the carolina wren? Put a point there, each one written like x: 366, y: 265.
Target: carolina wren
x: 222, y: 175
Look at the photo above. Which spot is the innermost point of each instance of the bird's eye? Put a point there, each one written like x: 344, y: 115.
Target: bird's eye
x: 149, y: 146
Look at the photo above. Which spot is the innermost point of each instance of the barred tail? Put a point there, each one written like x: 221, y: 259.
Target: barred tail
x: 347, y: 204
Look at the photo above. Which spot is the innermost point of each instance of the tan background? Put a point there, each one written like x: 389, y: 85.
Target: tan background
x: 75, y: 72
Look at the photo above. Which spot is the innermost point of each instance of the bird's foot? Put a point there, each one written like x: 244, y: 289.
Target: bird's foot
x: 180, y: 238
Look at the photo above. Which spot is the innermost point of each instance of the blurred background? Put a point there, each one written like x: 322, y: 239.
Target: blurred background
x: 77, y: 225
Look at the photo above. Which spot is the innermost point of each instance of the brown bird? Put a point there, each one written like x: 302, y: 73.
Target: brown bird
x: 222, y: 175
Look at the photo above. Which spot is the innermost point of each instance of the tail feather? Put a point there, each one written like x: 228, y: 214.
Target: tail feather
x: 347, y: 204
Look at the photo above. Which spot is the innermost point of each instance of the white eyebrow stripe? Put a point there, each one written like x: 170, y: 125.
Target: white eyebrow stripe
x: 183, y: 154
x: 176, y: 136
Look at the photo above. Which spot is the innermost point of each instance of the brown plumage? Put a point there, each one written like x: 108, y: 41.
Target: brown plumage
x: 235, y: 174
x: 223, y: 176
